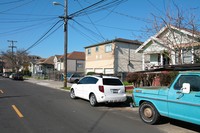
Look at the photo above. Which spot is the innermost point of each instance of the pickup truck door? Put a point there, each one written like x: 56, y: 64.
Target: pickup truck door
x: 185, y: 106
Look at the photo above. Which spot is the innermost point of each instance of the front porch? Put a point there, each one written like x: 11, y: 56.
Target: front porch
x: 155, y: 61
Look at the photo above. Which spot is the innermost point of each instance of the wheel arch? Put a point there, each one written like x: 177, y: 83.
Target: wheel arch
x: 90, y: 94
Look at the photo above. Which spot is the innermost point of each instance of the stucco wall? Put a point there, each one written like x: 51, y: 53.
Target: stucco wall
x: 126, y: 60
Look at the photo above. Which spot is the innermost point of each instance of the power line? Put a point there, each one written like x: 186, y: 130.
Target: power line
x: 11, y: 2
x: 89, y: 30
x: 24, y: 20
x: 93, y: 23
x: 117, y: 28
x: 83, y: 34
x: 28, y: 27
x: 16, y: 7
x: 41, y: 38
x: 75, y: 13
x: 97, y: 7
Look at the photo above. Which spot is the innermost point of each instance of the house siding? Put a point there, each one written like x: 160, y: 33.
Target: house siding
x: 98, y: 61
x: 126, y: 60
x: 121, y: 58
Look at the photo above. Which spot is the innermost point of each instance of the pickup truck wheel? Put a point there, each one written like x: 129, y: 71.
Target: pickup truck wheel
x: 148, y: 113
x: 72, y: 94
x: 93, y: 100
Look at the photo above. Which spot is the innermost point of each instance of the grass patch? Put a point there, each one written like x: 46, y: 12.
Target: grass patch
x: 65, y: 88
x: 127, y: 83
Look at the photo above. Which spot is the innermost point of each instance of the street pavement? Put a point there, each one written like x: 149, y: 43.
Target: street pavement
x: 40, y: 104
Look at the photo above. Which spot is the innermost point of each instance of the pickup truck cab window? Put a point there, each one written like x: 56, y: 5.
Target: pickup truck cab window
x: 193, y: 80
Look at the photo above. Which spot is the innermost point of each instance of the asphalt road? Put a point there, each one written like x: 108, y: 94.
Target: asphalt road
x: 31, y: 108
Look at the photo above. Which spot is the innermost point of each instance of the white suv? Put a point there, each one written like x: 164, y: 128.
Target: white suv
x: 99, y: 89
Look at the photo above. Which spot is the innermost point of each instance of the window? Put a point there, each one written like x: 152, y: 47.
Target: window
x: 108, y: 48
x: 193, y: 80
x: 88, y: 80
x: 110, y: 81
x: 79, y: 65
x: 89, y: 51
x: 187, y: 55
x: 83, y: 81
x: 97, y: 48
x: 92, y: 80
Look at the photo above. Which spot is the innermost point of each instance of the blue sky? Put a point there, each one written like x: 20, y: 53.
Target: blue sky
x: 26, y: 21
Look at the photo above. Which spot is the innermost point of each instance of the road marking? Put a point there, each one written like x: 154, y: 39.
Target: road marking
x: 17, y: 111
x: 1, y: 91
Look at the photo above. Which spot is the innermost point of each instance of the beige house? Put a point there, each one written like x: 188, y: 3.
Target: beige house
x: 75, y: 62
x: 113, y: 57
x: 170, y: 46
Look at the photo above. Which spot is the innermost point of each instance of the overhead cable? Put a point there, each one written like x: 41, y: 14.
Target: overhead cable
x: 42, y: 37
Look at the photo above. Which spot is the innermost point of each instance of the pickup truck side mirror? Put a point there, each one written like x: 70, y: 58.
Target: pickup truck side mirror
x: 186, y: 88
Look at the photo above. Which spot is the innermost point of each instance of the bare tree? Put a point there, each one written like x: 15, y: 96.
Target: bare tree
x: 15, y: 60
x: 176, y: 43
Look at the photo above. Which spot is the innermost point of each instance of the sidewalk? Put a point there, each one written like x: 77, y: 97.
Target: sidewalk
x: 48, y: 83
x: 57, y: 84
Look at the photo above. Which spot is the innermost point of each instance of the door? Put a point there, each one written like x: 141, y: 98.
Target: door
x: 185, y: 107
x: 80, y: 87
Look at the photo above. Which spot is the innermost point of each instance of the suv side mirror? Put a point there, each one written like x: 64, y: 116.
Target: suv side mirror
x: 186, y: 88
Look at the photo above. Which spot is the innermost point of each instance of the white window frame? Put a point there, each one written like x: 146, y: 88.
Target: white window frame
x: 108, y: 48
x: 89, y: 51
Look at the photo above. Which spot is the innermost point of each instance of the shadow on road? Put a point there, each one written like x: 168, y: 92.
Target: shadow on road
x: 185, y: 125
x: 178, y: 123
x: 127, y: 103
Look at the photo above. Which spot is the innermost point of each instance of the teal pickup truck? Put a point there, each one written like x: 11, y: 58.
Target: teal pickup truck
x: 181, y: 100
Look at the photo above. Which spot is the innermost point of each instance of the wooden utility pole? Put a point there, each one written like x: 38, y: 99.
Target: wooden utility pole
x: 12, y: 46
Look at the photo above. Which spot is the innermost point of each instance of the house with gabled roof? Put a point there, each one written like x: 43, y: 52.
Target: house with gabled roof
x: 57, y: 62
x: 170, y: 46
x: 113, y: 57
x: 75, y: 62
x: 44, y: 66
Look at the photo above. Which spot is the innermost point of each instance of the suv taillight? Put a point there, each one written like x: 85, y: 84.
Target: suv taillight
x: 101, y: 88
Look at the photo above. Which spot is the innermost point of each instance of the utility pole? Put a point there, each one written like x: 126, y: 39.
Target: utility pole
x: 65, y: 41
x: 12, y: 46
x: 65, y: 19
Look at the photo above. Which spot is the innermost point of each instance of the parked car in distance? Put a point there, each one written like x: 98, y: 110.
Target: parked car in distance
x: 73, y: 77
x: 17, y: 76
x: 7, y: 74
x: 99, y: 89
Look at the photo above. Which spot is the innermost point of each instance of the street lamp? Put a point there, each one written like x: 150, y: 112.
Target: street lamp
x: 65, y: 19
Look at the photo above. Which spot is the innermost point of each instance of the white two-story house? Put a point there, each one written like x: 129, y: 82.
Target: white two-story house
x: 170, y: 46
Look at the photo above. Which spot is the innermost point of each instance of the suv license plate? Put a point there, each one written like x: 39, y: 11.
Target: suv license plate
x: 115, y: 90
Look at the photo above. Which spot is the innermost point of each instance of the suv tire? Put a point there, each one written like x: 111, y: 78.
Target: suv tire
x: 93, y: 100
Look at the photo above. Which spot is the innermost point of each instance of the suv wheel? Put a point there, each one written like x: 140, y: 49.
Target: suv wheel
x: 72, y: 94
x: 93, y: 101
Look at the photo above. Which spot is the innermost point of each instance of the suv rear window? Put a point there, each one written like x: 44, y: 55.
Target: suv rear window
x: 111, y: 81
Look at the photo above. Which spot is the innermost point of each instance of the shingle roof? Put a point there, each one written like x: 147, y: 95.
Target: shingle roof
x: 76, y: 55
x: 183, y: 30
x: 48, y: 61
